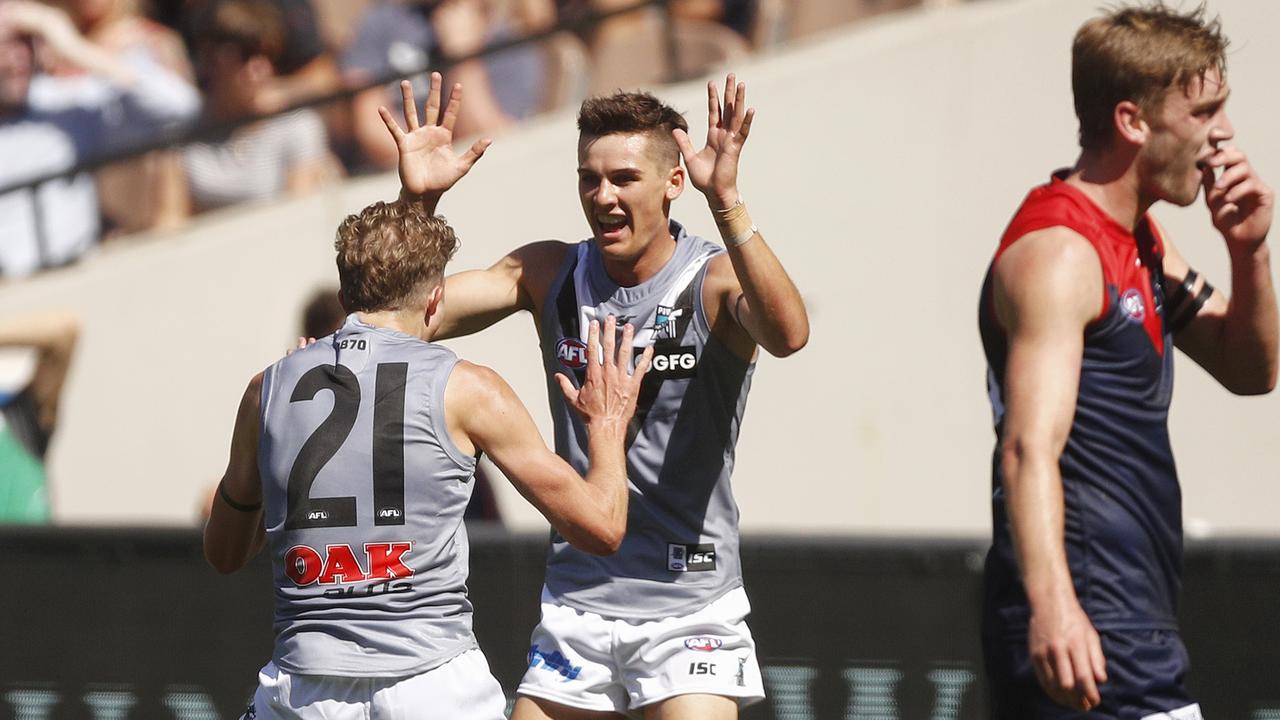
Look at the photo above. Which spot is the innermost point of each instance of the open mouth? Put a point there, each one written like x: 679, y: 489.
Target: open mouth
x: 611, y: 223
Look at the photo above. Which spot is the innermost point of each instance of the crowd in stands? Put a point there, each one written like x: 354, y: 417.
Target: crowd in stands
x: 236, y: 80
x: 251, y: 100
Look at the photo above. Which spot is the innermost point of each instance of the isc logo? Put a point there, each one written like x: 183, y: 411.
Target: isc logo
x: 572, y: 353
x: 305, y: 565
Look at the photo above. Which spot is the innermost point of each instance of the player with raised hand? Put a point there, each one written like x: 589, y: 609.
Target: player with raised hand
x: 352, y: 459
x: 1083, y: 304
x: 616, y: 633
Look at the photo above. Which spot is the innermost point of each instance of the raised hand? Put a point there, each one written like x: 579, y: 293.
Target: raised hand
x: 608, y: 394
x: 713, y: 170
x: 1240, y: 203
x: 428, y: 164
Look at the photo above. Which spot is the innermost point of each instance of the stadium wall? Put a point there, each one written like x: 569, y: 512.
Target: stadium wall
x: 123, y: 624
x: 883, y: 165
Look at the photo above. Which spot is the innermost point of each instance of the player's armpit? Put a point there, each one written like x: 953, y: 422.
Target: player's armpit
x: 484, y: 413
x: 476, y: 299
x: 234, y: 532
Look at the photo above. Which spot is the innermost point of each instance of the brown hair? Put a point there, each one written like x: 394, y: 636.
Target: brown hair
x: 389, y: 253
x: 252, y: 27
x: 1136, y: 54
x: 634, y: 113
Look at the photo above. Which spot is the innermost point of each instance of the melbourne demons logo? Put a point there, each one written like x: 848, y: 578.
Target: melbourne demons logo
x: 572, y: 353
x: 1132, y: 305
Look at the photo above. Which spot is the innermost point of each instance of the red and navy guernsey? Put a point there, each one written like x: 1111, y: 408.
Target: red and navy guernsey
x: 1123, y: 522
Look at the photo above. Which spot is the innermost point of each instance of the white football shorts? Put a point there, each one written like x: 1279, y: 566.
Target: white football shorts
x: 461, y: 689
x: 587, y: 661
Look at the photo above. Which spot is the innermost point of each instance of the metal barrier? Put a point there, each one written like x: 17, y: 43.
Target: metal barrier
x: 107, y: 623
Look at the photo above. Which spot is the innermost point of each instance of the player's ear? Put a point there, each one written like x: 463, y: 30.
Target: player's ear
x: 1130, y: 122
x: 434, y: 298
x: 675, y: 182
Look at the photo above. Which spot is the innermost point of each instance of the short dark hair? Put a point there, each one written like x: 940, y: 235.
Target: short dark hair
x: 634, y: 113
x: 1136, y: 54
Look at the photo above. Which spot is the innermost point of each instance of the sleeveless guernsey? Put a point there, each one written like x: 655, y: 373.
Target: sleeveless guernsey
x: 1123, y: 523
x: 680, y: 552
x: 364, y: 494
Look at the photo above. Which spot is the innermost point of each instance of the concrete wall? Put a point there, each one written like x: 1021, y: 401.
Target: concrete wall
x: 884, y: 163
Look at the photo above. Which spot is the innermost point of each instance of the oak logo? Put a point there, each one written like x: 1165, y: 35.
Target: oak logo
x: 305, y: 565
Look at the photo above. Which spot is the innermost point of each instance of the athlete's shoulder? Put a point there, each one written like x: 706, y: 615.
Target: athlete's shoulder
x: 1050, y: 269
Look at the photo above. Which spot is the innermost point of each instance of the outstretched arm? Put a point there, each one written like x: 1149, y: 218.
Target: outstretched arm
x: 761, y: 299
x: 484, y: 413
x: 1234, y: 338
x: 1046, y: 290
x: 235, y: 531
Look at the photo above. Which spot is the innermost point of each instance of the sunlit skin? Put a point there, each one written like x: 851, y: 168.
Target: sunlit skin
x: 1186, y: 130
x: 626, y: 195
x: 16, y: 67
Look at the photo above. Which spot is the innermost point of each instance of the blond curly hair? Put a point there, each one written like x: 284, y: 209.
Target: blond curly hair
x: 390, y: 254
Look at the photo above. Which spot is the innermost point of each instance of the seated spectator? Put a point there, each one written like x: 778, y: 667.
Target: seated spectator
x: 28, y: 416
x: 282, y: 154
x: 397, y: 39
x: 304, y: 68
x: 49, y: 124
x: 147, y: 192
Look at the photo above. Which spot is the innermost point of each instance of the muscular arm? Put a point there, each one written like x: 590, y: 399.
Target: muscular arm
x: 1235, y: 338
x: 483, y: 412
x: 476, y: 299
x: 751, y: 286
x: 1046, y: 290
x: 234, y: 535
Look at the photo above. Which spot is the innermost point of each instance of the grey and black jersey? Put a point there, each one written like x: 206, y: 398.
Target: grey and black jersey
x: 363, y: 494
x: 681, y: 547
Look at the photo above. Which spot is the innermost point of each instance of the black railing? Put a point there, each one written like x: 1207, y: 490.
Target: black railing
x: 210, y: 129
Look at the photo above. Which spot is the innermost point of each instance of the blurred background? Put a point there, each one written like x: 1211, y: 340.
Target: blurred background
x: 163, y: 239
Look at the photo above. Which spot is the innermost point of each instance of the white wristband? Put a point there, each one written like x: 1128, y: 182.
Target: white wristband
x: 742, y: 237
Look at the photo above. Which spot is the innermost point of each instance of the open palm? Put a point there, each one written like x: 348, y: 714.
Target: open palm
x: 428, y: 163
x: 713, y: 170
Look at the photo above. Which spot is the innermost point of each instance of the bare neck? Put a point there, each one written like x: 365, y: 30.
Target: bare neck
x: 409, y: 322
x: 629, y: 273
x: 1110, y: 179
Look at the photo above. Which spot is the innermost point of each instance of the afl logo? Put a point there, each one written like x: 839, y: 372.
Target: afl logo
x: 1132, y: 305
x: 703, y: 644
x: 572, y: 353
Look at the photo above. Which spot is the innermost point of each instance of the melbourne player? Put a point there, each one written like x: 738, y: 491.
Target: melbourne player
x: 354, y: 456
x: 658, y: 628
x: 1085, y: 300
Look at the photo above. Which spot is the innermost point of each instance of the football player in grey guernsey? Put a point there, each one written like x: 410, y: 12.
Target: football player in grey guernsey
x: 352, y: 459
x: 657, y: 629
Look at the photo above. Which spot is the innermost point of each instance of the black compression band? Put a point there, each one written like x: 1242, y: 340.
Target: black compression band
x: 222, y: 492
x: 1189, y: 310
x: 1183, y: 291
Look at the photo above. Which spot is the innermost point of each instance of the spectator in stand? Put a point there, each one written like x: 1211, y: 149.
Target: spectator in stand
x: 286, y: 153
x: 398, y: 38
x: 304, y: 69
x: 28, y: 416
x: 49, y: 124
x: 148, y: 192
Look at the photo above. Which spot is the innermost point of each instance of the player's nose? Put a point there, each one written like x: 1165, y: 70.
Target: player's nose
x: 1222, y: 130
